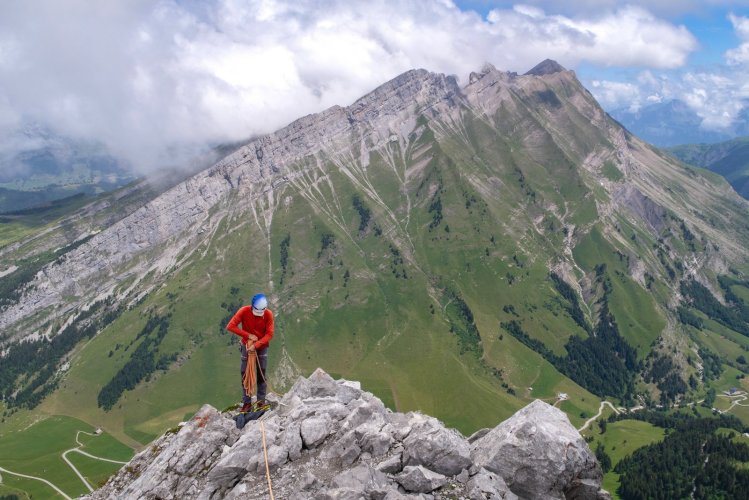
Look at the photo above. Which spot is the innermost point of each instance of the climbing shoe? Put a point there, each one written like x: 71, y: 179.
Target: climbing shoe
x: 246, y: 408
x: 261, y: 405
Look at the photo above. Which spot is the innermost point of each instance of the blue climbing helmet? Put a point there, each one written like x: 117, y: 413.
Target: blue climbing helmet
x: 259, y: 304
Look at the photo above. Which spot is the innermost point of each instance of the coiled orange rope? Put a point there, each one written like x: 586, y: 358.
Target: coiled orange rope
x: 249, y: 381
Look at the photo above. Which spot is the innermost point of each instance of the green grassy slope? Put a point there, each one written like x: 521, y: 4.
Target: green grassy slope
x: 36, y: 450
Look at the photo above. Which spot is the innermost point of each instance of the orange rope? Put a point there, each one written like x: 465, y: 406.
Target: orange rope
x: 249, y: 381
x: 267, y: 469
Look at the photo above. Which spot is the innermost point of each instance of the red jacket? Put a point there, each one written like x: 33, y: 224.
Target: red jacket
x: 259, y: 326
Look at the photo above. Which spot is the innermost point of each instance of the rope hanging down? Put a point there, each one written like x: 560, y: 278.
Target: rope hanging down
x: 267, y: 469
x: 250, y: 382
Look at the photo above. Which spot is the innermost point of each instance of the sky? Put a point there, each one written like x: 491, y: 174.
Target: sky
x: 155, y: 82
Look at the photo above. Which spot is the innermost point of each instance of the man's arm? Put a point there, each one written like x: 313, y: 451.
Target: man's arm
x: 233, y: 325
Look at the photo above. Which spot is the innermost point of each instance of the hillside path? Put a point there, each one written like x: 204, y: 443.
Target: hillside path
x: 736, y: 400
x: 58, y: 490
x: 77, y: 472
x: 77, y: 449
x: 600, y: 411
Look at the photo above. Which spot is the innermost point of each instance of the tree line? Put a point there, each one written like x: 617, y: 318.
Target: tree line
x: 573, y: 308
x: 603, y: 363
x: 28, y: 372
x: 700, y: 297
x: 691, y: 460
x: 142, y: 363
x: 462, y: 323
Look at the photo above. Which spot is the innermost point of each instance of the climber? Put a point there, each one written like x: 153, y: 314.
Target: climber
x: 256, y: 333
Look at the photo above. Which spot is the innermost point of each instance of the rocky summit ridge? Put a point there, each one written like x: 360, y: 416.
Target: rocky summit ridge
x: 328, y: 439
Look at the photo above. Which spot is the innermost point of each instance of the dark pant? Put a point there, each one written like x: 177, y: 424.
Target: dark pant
x: 262, y: 363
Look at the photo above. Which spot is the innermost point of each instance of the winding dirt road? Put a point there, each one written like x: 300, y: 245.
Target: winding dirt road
x: 64, y: 456
x: 600, y: 411
x: 58, y: 490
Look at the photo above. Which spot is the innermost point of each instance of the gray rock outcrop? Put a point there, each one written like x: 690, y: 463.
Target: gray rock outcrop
x: 328, y: 439
x: 540, y: 455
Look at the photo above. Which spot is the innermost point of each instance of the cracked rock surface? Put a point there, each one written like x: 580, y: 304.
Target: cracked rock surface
x: 328, y: 439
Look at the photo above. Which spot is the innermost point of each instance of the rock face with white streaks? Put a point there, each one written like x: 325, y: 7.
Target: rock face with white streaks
x: 152, y: 238
x: 161, y: 236
x: 328, y: 439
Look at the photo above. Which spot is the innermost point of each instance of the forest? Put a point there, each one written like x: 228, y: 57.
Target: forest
x: 29, y: 369
x: 462, y: 323
x: 694, y: 459
x: 142, y: 363
x: 703, y: 300
x: 363, y: 211
x: 602, y: 363
x: 573, y: 308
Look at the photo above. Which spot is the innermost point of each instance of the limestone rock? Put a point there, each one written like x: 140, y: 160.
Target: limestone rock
x: 540, y: 455
x: 419, y: 479
x: 432, y: 445
x: 486, y: 485
x: 314, y: 430
x: 331, y: 440
x: 174, y: 466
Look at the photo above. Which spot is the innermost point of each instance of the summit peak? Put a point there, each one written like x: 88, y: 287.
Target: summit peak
x: 546, y: 67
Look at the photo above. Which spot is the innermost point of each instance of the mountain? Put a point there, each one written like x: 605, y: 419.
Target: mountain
x: 44, y: 167
x: 729, y: 159
x: 330, y: 439
x: 672, y: 122
x: 461, y: 251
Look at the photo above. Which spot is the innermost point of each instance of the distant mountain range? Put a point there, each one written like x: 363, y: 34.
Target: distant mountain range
x: 729, y: 159
x: 672, y: 123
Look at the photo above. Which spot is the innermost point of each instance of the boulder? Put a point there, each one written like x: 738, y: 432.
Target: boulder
x: 392, y: 465
x: 363, y: 478
x: 314, y: 430
x: 486, y: 485
x: 419, y: 479
x: 291, y: 440
x: 432, y: 445
x: 540, y: 454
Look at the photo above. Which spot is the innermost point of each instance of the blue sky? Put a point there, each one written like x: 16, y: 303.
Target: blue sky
x: 156, y: 81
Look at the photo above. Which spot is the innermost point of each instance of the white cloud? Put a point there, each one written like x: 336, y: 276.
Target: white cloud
x: 155, y: 80
x: 717, y: 95
x: 615, y: 95
x: 740, y: 54
x: 714, y: 97
x: 630, y: 36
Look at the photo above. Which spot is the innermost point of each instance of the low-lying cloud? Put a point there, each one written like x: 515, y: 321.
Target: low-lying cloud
x: 157, y: 81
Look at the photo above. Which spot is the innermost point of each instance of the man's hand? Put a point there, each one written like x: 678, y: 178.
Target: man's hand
x: 250, y: 346
x: 252, y: 337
